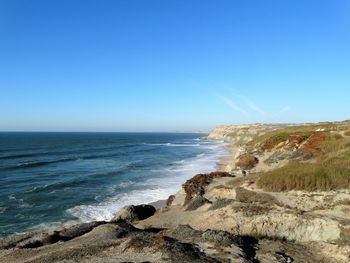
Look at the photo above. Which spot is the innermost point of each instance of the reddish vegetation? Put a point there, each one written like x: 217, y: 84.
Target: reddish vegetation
x: 313, y: 142
x: 296, y: 139
x: 195, y: 185
x: 274, y: 140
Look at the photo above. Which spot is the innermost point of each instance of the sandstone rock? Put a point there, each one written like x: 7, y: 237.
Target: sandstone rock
x: 170, y: 200
x: 134, y: 213
x: 195, y: 186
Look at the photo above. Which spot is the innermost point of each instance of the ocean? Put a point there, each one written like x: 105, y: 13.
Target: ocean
x: 49, y: 179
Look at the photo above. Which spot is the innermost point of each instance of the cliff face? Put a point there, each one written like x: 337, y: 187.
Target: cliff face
x: 241, y: 134
x: 290, y: 182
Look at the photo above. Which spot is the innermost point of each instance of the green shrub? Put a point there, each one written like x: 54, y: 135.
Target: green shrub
x: 220, y: 203
x: 274, y: 140
x: 247, y: 161
x: 196, y: 202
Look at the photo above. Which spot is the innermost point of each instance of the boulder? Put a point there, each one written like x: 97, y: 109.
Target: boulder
x: 170, y: 200
x: 133, y: 213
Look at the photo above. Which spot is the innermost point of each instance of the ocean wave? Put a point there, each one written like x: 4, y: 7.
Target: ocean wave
x: 154, y: 189
x: 56, y: 186
x: 16, y: 156
x: 33, y: 164
x: 73, y: 182
x: 106, y: 209
x: 180, y: 162
x: 25, y: 205
x: 78, y: 154
x: 173, y: 144
x: 3, y: 209
x: 125, y: 184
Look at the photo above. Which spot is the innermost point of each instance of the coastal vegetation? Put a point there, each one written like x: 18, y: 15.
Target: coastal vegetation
x: 306, y: 176
x: 196, y: 202
x: 247, y: 161
x: 326, y: 168
x: 220, y: 203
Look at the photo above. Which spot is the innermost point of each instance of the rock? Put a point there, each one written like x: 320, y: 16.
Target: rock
x: 218, y: 237
x: 133, y: 213
x: 244, y: 195
x: 112, y: 242
x: 195, y: 186
x: 12, y: 241
x: 46, y: 238
x: 77, y: 230
x: 185, y: 232
x: 170, y: 200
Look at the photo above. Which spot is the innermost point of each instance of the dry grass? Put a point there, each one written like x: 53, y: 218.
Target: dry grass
x: 328, y: 173
x: 330, y: 170
x: 305, y: 176
x: 334, y: 143
x: 341, y: 160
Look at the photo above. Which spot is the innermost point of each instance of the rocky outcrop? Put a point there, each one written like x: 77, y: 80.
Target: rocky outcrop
x: 195, y: 185
x: 133, y: 213
x: 113, y: 242
x: 317, y: 221
x: 121, y: 242
x: 38, y: 239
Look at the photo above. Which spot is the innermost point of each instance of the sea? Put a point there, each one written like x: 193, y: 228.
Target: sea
x: 51, y: 179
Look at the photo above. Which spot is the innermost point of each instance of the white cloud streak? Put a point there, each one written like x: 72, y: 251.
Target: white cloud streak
x: 283, y: 110
x: 251, y: 107
x: 251, y: 104
x: 232, y: 105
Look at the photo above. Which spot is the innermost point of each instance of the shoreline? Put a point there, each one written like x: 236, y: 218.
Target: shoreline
x: 223, y: 163
x: 211, y: 213
x: 227, y: 163
x: 158, y: 204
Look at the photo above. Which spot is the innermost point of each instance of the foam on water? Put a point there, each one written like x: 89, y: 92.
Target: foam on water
x: 54, y: 178
x: 154, y: 189
x: 174, y: 144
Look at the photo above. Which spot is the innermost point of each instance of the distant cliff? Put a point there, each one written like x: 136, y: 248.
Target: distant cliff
x: 241, y: 134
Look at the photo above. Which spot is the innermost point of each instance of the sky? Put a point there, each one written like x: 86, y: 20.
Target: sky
x: 177, y: 65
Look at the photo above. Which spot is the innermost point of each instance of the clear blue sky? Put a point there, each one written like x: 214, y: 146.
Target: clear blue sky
x: 70, y: 65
